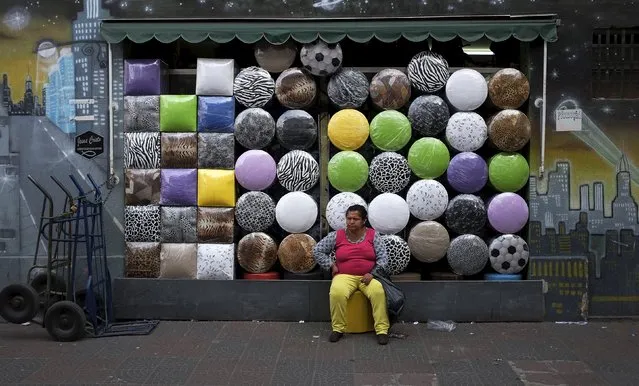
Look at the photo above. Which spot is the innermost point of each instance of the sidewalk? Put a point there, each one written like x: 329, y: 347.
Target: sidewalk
x: 262, y: 353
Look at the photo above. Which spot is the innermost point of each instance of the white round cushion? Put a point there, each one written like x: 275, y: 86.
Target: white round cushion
x: 466, y: 89
x: 296, y: 212
x: 427, y: 199
x: 466, y: 131
x: 388, y: 213
x: 336, y: 208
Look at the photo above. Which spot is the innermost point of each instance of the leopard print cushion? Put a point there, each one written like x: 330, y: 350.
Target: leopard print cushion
x: 257, y: 252
x: 296, y: 253
x: 215, y: 225
x: 179, y: 150
x: 142, y: 223
x: 178, y: 224
x: 142, y: 260
x: 178, y: 261
x: 142, y: 113
x: 215, y: 261
x: 142, y: 186
x: 508, y: 88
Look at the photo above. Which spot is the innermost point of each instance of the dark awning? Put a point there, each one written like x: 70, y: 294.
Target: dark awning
x: 471, y: 28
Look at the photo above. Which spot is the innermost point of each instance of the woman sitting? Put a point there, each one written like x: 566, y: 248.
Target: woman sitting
x: 358, y: 252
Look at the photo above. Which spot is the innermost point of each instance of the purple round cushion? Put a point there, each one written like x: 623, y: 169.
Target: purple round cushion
x: 507, y: 212
x: 467, y: 172
x: 255, y: 170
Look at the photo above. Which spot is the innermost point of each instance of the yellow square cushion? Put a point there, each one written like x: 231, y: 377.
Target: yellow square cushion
x: 216, y: 187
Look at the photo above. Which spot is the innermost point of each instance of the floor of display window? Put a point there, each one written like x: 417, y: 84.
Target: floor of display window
x: 461, y: 301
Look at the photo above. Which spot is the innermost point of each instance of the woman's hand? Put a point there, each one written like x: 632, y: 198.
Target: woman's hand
x: 334, y: 269
x: 367, y: 278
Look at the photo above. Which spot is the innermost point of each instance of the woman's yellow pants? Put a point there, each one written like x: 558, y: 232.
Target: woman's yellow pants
x: 342, y: 287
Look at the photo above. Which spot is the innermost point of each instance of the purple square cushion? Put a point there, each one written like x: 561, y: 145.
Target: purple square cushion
x: 179, y: 187
x: 145, y: 77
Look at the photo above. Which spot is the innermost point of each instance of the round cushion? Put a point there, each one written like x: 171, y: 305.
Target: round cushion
x: 348, y: 171
x: 348, y: 89
x: 428, y: 71
x: 398, y: 253
x: 296, y: 253
x: 275, y: 57
x: 466, y: 131
x: 390, y: 89
x: 508, y: 172
x: 501, y: 277
x: 255, y: 211
x: 427, y: 199
x: 253, y: 87
x: 296, y: 212
x: 295, y: 88
x: 508, y: 88
x: 254, y: 128
x: 467, y: 255
x: 296, y: 130
x: 348, y: 129
x: 509, y: 130
x: 428, y: 157
x: 466, y: 213
x: 428, y: 115
x: 297, y: 170
x: 257, y: 252
x: 508, y: 213
x: 509, y: 254
x: 273, y: 275
x: 337, y: 206
x: 428, y: 241
x: 390, y: 130
x: 466, y: 89
x: 321, y: 58
x: 255, y: 170
x: 467, y: 172
x: 388, y: 213
x: 389, y: 172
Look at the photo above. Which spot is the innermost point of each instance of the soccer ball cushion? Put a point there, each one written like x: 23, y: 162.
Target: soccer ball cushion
x: 509, y: 254
x: 320, y: 58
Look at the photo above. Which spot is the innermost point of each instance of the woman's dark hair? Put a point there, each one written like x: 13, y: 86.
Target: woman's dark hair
x: 359, y: 209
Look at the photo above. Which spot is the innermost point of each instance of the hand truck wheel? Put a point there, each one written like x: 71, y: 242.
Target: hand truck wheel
x: 18, y: 303
x: 39, y: 283
x: 65, y: 321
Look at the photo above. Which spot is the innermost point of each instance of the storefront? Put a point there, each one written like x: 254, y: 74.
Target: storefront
x: 245, y: 141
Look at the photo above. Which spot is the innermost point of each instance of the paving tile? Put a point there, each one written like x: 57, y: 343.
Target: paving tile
x: 586, y: 380
x: 251, y: 378
x: 328, y: 377
x: 374, y: 379
x: 543, y: 378
x: 569, y: 367
x: 14, y: 370
x: 530, y: 366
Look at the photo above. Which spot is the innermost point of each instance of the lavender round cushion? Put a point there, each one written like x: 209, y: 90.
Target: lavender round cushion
x: 255, y: 170
x: 467, y: 172
x: 507, y: 212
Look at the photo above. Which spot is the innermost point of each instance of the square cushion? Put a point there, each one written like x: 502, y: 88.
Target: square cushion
x: 145, y: 77
x: 216, y: 187
x: 216, y: 261
x: 142, y: 113
x: 179, y: 150
x: 142, y: 186
x: 142, y: 260
x: 216, y: 114
x: 216, y: 151
x: 215, y: 77
x: 179, y: 187
x: 178, y: 261
x: 215, y: 225
x: 142, y: 150
x: 178, y: 113
x: 142, y: 223
x: 179, y: 224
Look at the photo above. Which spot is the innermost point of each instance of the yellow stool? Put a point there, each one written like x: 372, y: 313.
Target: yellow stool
x: 359, y: 314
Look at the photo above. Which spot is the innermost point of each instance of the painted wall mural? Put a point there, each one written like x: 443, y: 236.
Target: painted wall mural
x: 54, y: 82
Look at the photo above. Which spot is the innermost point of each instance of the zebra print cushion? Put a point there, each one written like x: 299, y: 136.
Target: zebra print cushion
x: 253, y: 87
x: 428, y: 71
x: 297, y: 170
x: 142, y: 150
x: 141, y: 113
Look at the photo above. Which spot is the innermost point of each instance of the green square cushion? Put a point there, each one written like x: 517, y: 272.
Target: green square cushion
x: 178, y: 113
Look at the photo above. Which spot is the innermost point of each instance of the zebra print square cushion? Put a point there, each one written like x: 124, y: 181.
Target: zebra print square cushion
x: 216, y: 114
x: 142, y: 150
x: 142, y: 113
x: 179, y: 150
x: 216, y: 261
x: 178, y: 261
x: 215, y: 225
x: 216, y: 150
x: 179, y: 187
x: 142, y: 223
x: 142, y: 260
x: 178, y: 224
x: 142, y: 186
